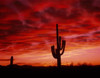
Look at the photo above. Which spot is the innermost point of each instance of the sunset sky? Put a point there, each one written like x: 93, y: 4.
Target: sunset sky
x: 28, y: 30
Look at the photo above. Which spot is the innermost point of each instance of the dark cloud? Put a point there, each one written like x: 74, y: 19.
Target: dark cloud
x: 20, y: 6
x: 89, y: 5
x: 29, y: 21
x: 75, y: 14
x: 5, y: 12
x: 86, y: 3
x: 3, y: 15
x: 4, y: 59
x: 82, y: 39
x: 45, y: 20
x: 97, y: 34
x: 63, y: 13
x: 64, y: 30
x: 16, y: 27
x: 41, y: 16
x: 97, y: 17
x: 15, y: 22
x: 37, y: 14
x: 60, y: 13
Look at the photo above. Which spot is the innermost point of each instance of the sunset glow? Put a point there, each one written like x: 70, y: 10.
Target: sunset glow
x: 28, y: 30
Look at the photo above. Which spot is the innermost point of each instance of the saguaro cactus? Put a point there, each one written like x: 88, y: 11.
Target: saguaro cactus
x: 11, y: 61
x: 60, y: 48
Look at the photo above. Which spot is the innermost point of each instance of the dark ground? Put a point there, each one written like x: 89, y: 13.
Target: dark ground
x: 65, y: 71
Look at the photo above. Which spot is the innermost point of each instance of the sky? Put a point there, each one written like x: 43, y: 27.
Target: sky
x: 28, y: 30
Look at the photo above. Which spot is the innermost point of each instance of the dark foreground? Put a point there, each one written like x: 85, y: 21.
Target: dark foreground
x: 67, y: 71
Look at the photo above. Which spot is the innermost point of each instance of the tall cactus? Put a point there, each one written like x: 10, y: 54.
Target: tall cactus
x: 60, y: 47
x: 11, y: 61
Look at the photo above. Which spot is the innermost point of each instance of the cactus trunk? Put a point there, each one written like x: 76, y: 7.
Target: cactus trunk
x: 59, y: 61
x: 11, y: 61
x: 58, y: 48
x: 56, y: 52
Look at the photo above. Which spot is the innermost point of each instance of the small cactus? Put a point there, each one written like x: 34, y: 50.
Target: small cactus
x: 60, y: 47
x: 11, y: 61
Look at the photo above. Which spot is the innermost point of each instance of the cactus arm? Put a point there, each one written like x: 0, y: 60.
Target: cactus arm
x: 53, y: 52
x: 63, y: 46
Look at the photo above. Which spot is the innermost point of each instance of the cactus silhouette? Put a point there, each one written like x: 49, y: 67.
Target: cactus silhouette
x: 11, y: 61
x: 60, y: 48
